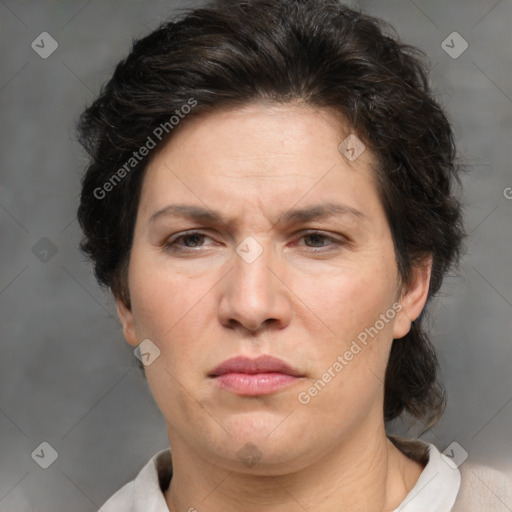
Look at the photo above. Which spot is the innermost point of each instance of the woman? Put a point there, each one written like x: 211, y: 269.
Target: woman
x: 270, y: 200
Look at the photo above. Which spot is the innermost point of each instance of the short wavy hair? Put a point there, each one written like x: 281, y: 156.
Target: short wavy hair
x: 230, y: 53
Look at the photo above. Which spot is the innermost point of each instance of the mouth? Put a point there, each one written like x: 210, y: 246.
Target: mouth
x: 254, y: 377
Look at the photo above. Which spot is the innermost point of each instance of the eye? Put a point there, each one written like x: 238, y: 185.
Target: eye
x: 191, y: 240
x: 317, y: 238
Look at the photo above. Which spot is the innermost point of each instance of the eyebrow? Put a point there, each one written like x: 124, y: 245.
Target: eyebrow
x: 295, y: 216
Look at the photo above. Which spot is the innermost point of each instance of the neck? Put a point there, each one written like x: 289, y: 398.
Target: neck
x: 366, y: 472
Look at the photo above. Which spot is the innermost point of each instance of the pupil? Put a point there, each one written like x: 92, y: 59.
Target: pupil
x: 312, y: 237
x: 194, y: 237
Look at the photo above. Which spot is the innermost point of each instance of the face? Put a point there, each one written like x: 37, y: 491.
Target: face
x: 261, y: 273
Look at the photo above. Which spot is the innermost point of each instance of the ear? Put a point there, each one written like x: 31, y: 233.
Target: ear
x: 413, y: 298
x: 126, y: 318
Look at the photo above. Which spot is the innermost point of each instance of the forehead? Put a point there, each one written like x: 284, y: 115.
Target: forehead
x: 262, y: 154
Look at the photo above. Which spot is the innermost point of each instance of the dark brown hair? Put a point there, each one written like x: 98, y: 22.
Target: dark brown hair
x: 323, y: 54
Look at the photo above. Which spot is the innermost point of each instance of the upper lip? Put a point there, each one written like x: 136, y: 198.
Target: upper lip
x: 262, y: 364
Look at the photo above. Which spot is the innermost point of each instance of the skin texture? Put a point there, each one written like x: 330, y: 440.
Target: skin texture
x: 205, y: 304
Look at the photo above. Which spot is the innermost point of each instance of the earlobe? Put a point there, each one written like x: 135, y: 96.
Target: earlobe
x: 126, y: 318
x: 413, y: 298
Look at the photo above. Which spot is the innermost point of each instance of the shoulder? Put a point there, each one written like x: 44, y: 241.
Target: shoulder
x: 469, y: 488
x: 483, y: 488
x: 146, y: 491
x: 121, y: 500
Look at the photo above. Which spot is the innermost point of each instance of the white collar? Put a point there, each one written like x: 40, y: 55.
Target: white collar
x: 437, y: 487
x: 435, y: 491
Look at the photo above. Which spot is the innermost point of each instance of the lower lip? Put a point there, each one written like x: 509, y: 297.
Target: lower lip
x: 254, y: 384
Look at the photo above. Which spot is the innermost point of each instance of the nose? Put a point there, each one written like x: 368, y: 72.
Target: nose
x: 254, y: 295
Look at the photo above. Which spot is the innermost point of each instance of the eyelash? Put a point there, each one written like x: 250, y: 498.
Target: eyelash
x: 171, y: 245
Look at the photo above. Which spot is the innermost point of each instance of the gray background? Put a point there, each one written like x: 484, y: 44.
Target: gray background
x: 68, y: 378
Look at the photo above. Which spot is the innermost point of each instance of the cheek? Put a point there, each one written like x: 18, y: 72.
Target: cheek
x: 357, y: 304
x: 160, y: 296
x: 350, y: 366
x: 176, y: 312
x: 346, y: 298
x: 166, y: 307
